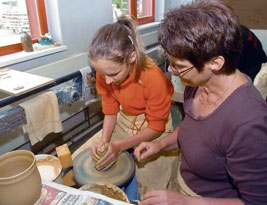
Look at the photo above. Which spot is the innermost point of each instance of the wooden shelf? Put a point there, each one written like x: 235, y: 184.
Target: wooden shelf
x: 15, y: 83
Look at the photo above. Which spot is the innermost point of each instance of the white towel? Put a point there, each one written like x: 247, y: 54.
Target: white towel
x: 42, y: 114
x: 88, y: 85
x: 260, y: 81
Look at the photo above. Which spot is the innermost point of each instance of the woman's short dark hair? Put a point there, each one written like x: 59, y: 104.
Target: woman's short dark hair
x: 200, y: 31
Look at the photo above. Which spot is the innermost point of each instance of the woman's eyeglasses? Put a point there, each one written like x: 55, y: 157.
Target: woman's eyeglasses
x: 175, y: 71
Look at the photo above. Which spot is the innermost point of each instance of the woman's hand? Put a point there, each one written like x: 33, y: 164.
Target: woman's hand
x: 146, y: 149
x: 165, y: 197
x: 110, y: 156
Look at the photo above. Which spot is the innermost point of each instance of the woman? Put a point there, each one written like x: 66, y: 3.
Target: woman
x: 223, y: 137
x: 136, y: 100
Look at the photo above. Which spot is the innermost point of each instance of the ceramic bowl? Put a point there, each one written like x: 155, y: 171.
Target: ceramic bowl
x: 49, y: 167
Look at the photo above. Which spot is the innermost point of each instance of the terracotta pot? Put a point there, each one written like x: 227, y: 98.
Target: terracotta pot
x: 20, y: 181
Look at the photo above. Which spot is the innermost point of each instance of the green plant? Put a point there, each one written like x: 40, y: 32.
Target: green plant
x: 117, y: 2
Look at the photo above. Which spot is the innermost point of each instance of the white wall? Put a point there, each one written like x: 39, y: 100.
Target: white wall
x: 262, y: 36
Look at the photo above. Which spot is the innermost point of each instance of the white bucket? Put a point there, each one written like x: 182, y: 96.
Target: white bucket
x: 49, y: 167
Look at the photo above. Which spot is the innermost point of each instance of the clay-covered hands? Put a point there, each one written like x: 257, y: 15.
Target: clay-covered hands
x: 93, y: 152
x: 165, y: 197
x: 146, y: 149
x: 110, y: 154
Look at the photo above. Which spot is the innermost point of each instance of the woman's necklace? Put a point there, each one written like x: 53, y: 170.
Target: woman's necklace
x: 220, y: 97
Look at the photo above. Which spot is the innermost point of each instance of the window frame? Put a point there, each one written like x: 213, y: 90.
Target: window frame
x: 34, y: 16
x: 142, y: 20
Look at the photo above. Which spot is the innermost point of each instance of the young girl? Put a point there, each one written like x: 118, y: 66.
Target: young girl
x: 136, y: 100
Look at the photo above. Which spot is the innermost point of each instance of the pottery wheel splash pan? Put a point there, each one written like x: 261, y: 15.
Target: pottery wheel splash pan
x: 119, y: 174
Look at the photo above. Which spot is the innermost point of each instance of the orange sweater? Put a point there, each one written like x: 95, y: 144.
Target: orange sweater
x: 152, y: 96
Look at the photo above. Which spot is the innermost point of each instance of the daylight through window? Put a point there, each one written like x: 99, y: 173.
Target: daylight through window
x: 18, y: 16
x: 141, y: 10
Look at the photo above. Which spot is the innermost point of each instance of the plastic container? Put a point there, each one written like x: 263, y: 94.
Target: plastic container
x: 45, y: 41
x: 20, y: 181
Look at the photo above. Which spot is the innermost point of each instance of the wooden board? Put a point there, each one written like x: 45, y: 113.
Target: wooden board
x: 251, y: 13
x: 15, y: 83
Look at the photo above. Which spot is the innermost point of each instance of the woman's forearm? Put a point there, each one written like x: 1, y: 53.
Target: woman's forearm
x: 169, y: 142
x: 108, y: 127
x: 144, y: 135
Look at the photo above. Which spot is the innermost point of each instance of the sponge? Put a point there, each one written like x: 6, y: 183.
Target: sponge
x: 64, y: 156
x: 68, y: 179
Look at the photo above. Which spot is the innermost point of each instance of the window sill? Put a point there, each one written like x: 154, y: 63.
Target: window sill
x: 24, y: 56
x: 148, y: 26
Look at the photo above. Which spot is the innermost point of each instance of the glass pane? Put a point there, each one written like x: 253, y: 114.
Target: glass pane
x: 144, y: 8
x: 13, y: 21
x: 120, y: 7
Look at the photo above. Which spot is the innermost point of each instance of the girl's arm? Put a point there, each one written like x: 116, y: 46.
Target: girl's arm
x: 108, y: 127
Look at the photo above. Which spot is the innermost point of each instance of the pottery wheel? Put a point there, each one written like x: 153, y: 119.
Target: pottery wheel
x: 118, y: 174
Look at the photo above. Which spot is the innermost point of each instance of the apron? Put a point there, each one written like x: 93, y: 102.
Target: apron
x: 182, y: 187
x: 156, y: 171
x: 177, y: 182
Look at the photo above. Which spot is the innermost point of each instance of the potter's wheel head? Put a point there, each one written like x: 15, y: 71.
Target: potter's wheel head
x: 118, y: 174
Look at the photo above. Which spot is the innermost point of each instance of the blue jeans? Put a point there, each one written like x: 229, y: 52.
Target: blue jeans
x: 131, y: 190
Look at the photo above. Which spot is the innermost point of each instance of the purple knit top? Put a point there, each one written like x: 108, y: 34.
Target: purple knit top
x: 224, y: 154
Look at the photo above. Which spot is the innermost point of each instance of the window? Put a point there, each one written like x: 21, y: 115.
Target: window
x: 140, y: 10
x: 18, y: 16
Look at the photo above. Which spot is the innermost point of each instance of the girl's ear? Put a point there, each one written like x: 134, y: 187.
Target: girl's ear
x: 216, y: 63
x: 133, y: 57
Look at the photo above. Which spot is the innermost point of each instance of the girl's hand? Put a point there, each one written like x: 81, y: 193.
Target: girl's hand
x: 146, y: 149
x: 93, y: 153
x: 110, y: 156
x: 166, y: 197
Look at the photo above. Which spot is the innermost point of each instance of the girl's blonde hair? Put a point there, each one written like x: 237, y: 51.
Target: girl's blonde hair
x: 117, y: 41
